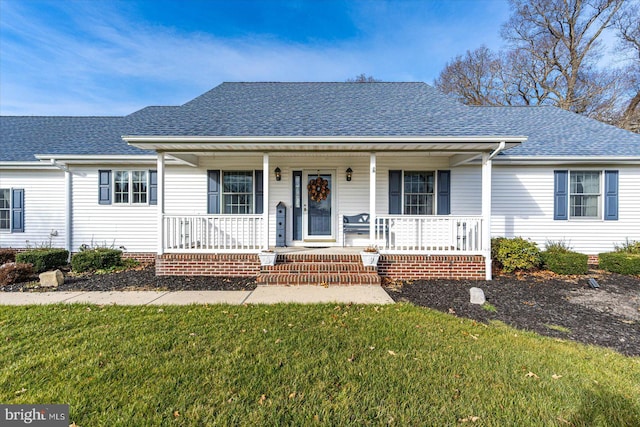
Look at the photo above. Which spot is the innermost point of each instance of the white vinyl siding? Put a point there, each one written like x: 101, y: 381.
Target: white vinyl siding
x: 523, y: 204
x: 44, y: 207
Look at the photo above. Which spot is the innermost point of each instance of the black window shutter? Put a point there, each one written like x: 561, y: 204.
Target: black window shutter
x: 611, y: 195
x: 444, y: 192
x: 104, y: 187
x: 153, y: 187
x: 560, y: 195
x: 395, y: 192
x: 213, y: 192
x: 17, y: 211
x: 259, y: 199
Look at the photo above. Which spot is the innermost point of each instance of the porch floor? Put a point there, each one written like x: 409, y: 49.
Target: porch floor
x: 308, y: 250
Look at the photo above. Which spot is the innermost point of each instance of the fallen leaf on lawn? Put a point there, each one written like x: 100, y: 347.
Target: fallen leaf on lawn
x: 391, y: 352
x: 278, y: 341
x: 262, y: 399
x: 192, y: 334
x: 264, y: 331
x: 352, y: 358
x: 556, y: 377
x: 21, y: 391
x: 531, y: 375
x: 371, y: 347
x: 176, y: 414
x: 292, y: 395
x: 73, y: 424
x: 452, y: 311
x: 467, y: 419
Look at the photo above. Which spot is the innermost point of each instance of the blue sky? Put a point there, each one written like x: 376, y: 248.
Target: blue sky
x: 112, y: 57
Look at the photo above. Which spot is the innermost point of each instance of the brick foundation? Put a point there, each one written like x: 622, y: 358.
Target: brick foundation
x: 238, y: 265
x: 143, y: 257
x: 432, y: 267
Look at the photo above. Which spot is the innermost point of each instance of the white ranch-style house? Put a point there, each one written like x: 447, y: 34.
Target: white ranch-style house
x: 204, y: 187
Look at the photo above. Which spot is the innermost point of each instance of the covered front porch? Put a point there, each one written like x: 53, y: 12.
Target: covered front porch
x: 402, y: 185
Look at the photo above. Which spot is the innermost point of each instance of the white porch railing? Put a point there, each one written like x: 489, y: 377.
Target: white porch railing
x: 433, y: 234
x: 209, y: 233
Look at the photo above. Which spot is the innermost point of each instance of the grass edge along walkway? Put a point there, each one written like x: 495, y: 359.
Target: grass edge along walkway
x: 329, y: 364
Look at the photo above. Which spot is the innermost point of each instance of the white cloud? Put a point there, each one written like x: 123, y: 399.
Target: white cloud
x: 105, y: 63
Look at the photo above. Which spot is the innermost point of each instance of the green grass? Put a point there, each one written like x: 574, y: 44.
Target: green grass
x: 305, y: 365
x: 558, y: 328
x: 489, y: 307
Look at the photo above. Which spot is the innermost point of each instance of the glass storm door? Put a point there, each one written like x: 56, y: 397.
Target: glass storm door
x: 317, y: 211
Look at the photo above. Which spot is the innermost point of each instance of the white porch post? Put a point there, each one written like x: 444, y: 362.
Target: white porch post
x: 160, y: 167
x: 265, y: 199
x: 68, y: 218
x: 372, y: 198
x: 486, y: 213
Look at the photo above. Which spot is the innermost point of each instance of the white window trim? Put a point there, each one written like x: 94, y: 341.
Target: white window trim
x: 435, y: 191
x: 130, y: 201
x: 600, y: 216
x: 253, y: 192
x: 10, y: 229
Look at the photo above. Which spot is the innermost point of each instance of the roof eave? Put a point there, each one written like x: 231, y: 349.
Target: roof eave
x: 565, y: 160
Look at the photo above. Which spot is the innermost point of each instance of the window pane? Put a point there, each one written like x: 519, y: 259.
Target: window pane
x: 418, y: 193
x: 585, y: 194
x: 5, y: 209
x: 237, y: 188
x: 121, y: 187
x: 139, y: 186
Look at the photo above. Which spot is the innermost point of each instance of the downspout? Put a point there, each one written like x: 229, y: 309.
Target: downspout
x: 68, y: 201
x: 486, y: 207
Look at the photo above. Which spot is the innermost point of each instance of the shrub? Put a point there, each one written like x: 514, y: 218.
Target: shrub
x: 629, y: 246
x: 95, y: 259
x: 620, y: 262
x: 7, y: 255
x: 565, y: 261
x: 559, y: 246
x: 13, y: 272
x: 44, y: 259
x: 515, y: 254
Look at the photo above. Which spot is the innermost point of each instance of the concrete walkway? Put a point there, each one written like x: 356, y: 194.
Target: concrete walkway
x: 261, y: 295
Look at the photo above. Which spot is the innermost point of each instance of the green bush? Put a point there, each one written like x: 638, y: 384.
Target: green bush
x: 96, y: 259
x: 515, y: 254
x: 44, y: 259
x: 629, y: 246
x: 7, y: 255
x: 620, y: 262
x: 565, y: 262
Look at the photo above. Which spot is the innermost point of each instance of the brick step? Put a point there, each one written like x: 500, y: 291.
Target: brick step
x: 318, y: 258
x: 315, y: 267
x: 345, y: 279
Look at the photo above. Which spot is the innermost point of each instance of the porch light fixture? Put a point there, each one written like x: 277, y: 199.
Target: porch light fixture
x: 278, y: 173
x: 349, y: 173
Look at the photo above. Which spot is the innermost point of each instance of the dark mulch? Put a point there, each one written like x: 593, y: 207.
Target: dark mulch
x: 550, y: 305
x: 142, y: 278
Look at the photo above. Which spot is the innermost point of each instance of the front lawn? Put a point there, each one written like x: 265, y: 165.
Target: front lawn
x: 301, y: 365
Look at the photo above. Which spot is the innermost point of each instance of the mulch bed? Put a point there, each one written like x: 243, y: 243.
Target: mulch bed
x: 556, y: 306
x: 142, y: 278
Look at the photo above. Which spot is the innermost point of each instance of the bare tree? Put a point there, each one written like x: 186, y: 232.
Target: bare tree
x: 363, y: 78
x: 628, y: 27
x: 562, y: 38
x: 552, y: 57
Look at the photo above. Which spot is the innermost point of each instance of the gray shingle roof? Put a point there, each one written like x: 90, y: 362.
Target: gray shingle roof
x: 318, y: 109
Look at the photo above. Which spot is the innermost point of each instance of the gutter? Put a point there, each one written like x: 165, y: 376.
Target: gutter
x: 497, y: 151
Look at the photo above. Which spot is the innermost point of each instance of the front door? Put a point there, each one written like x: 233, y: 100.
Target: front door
x: 318, y: 207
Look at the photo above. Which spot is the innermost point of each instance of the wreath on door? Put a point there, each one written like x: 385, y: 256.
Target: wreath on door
x: 318, y: 189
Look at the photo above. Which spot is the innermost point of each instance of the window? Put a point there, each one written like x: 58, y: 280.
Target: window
x: 130, y: 187
x: 11, y: 210
x: 418, y: 193
x: 5, y: 209
x: 584, y: 197
x: 237, y: 192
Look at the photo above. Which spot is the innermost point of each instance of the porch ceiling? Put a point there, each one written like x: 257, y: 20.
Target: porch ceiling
x: 444, y: 145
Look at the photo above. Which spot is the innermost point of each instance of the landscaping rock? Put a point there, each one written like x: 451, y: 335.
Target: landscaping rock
x: 51, y: 279
x: 477, y: 296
